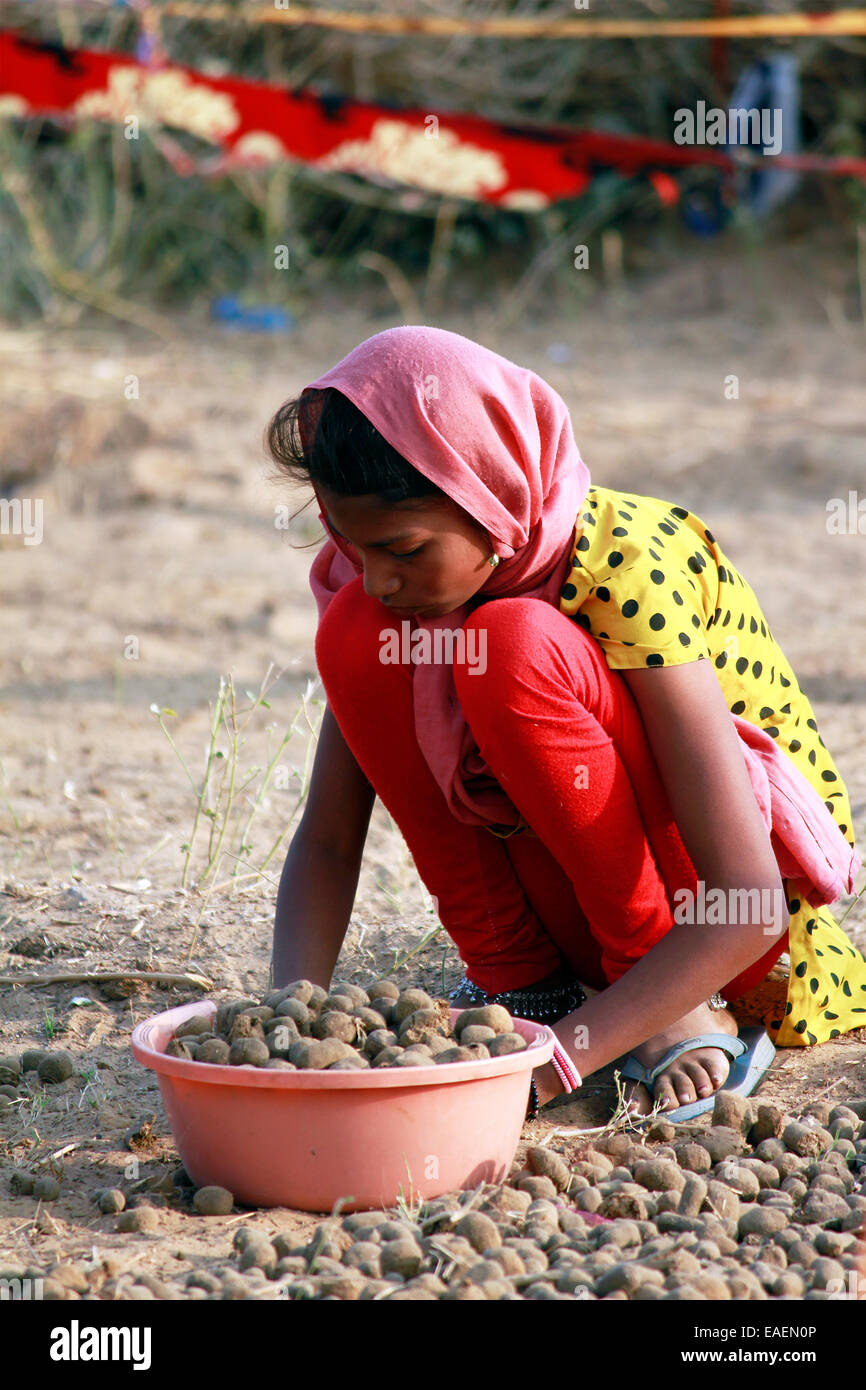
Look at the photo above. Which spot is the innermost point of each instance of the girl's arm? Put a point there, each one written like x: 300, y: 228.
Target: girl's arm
x: 320, y: 876
x: 699, y: 757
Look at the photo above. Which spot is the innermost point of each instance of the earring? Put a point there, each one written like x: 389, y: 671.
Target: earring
x: 494, y: 560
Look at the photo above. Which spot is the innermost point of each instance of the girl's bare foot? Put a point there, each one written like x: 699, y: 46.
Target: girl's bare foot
x: 694, y: 1075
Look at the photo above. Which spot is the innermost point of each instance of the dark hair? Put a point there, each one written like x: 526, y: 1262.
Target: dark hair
x: 348, y: 454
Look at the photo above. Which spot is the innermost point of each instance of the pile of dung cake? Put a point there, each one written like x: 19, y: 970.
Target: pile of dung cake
x: 303, y: 1026
x: 748, y: 1203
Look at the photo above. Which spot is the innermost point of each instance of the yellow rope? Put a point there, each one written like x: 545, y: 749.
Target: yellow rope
x: 836, y: 23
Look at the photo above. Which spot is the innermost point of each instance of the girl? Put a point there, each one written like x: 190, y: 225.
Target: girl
x: 572, y: 706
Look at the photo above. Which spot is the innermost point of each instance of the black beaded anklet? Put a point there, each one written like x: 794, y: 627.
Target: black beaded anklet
x: 532, y: 1108
x: 538, y: 1006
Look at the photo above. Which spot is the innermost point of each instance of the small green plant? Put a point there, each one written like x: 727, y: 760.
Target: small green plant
x: 431, y: 908
x: 49, y: 1025
x: 30, y: 1109
x: 229, y: 797
x: 413, y: 1206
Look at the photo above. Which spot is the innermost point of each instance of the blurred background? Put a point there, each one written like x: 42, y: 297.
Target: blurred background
x: 202, y: 208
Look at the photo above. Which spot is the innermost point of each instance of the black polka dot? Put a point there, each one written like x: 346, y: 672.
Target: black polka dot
x: 753, y: 626
x: 765, y: 712
x: 696, y: 622
x: 757, y: 668
x: 794, y: 745
x: 834, y: 1033
x: 657, y: 622
x: 788, y: 1008
x: 846, y: 988
x: 603, y: 593
x: 680, y: 512
x: 676, y: 598
x: 657, y: 577
x: 685, y: 639
x: 794, y: 904
x: 668, y: 530
x: 812, y: 1038
x: 828, y: 1014
x: 800, y: 1026
x: 800, y: 970
x: 722, y: 660
x: 771, y: 730
x: 783, y: 680
x: 629, y: 608
x: 712, y: 540
x: 742, y: 663
x: 813, y: 985
x: 569, y: 591
x: 655, y: 659
x: 619, y: 531
x: 583, y: 543
x: 614, y: 558
x: 738, y: 706
x: 812, y: 725
x: 829, y: 777
x: 812, y: 757
x: 696, y: 563
x: 583, y: 619
x: 626, y: 516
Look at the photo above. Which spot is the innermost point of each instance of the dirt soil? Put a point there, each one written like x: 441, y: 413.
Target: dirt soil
x: 161, y: 568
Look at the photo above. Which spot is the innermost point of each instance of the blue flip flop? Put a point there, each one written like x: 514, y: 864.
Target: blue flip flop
x: 752, y: 1055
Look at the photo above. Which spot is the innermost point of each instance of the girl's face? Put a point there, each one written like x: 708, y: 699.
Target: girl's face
x: 423, y: 555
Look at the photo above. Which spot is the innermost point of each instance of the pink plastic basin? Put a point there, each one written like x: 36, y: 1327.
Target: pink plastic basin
x: 304, y: 1139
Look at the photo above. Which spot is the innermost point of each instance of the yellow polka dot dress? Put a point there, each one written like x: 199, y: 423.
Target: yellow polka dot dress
x: 650, y: 583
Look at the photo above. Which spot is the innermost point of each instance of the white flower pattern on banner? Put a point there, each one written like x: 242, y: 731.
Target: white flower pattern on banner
x: 404, y: 153
x: 11, y: 105
x: 525, y: 200
x: 166, y: 97
x: 260, y: 145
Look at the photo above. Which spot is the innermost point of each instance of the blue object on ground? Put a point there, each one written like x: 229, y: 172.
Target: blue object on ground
x: 752, y: 1055
x: 262, y: 318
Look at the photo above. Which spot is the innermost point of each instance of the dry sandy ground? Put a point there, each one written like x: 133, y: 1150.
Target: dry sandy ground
x: 159, y: 526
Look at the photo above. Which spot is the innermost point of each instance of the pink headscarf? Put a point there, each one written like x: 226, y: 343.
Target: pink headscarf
x: 498, y: 441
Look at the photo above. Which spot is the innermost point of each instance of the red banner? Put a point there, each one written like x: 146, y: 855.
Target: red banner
x: 253, y: 123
